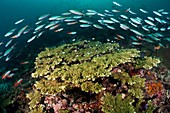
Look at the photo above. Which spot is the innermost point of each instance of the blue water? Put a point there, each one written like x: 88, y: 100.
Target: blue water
x: 13, y: 10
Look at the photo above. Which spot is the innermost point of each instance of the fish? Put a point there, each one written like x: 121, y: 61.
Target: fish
x: 25, y: 62
x: 114, y: 20
x: 19, y: 21
x: 10, y: 75
x: 22, y: 30
x: 8, y: 51
x: 164, y: 13
x: 43, y: 16
x: 97, y: 26
x: 6, y: 74
x: 58, y: 30
x: 39, y: 27
x: 66, y: 14
x: 91, y: 13
x: 8, y: 58
x: 76, y: 12
x: 108, y: 21
x: 53, y: 18
x: 31, y: 39
x: 85, y: 25
x: 117, y: 4
x: 143, y: 11
x: 10, y: 32
x: 131, y: 12
x: 8, y: 43
x: 158, y: 20
x: 124, y: 16
x: 71, y: 23
x: 160, y: 10
x: 124, y: 27
x: 135, y: 21
x: 149, y: 22
x: 168, y: 39
x: 84, y: 21
x: 71, y: 33
x: 150, y: 18
x: 54, y: 27
x: 115, y: 11
x: 136, y: 43
x: 110, y: 27
x: 136, y: 32
x: 18, y: 82
x: 157, y: 13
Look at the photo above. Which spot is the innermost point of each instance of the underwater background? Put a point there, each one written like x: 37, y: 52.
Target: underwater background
x: 24, y: 35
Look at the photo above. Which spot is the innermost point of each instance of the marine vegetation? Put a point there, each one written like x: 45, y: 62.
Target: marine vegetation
x: 95, y: 77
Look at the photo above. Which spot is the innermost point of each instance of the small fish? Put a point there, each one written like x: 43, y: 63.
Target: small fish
x: 168, y: 39
x: 142, y: 10
x: 108, y: 21
x: 8, y: 51
x: 157, y: 47
x: 76, y: 12
x: 10, y: 75
x: 124, y: 27
x: 18, y: 82
x: 114, y: 20
x: 157, y: 13
x: 84, y: 21
x: 6, y: 74
x: 120, y: 37
x: 160, y: 10
x: 97, y: 26
x: 72, y: 33
x: 58, y: 30
x: 150, y: 18
x: 10, y: 32
x: 8, y: 43
x: 39, y: 27
x: 66, y: 14
x: 26, y: 62
x: 53, y: 27
x: 22, y: 30
x: 149, y: 22
x: 43, y: 16
x: 31, y: 39
x: 165, y: 13
x: 131, y: 12
x: 85, y: 25
x: 117, y: 4
x: 71, y: 23
x: 136, y: 43
x: 110, y: 27
x: 135, y: 21
x: 115, y: 11
x: 124, y: 16
x: 19, y: 21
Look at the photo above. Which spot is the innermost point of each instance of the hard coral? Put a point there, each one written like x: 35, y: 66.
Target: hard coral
x: 79, y: 75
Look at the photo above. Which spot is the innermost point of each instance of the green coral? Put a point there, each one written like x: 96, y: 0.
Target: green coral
x: 147, y: 62
x: 81, y: 65
x: 91, y: 87
x: 115, y: 104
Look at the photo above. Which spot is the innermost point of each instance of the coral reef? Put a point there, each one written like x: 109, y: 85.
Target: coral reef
x: 94, y: 77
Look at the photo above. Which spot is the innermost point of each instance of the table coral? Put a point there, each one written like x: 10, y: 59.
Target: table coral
x: 80, y: 74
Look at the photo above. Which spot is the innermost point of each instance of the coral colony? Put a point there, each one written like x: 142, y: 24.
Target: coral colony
x: 95, y: 77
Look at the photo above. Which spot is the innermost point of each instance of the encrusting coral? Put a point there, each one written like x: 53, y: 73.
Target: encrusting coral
x: 81, y: 75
